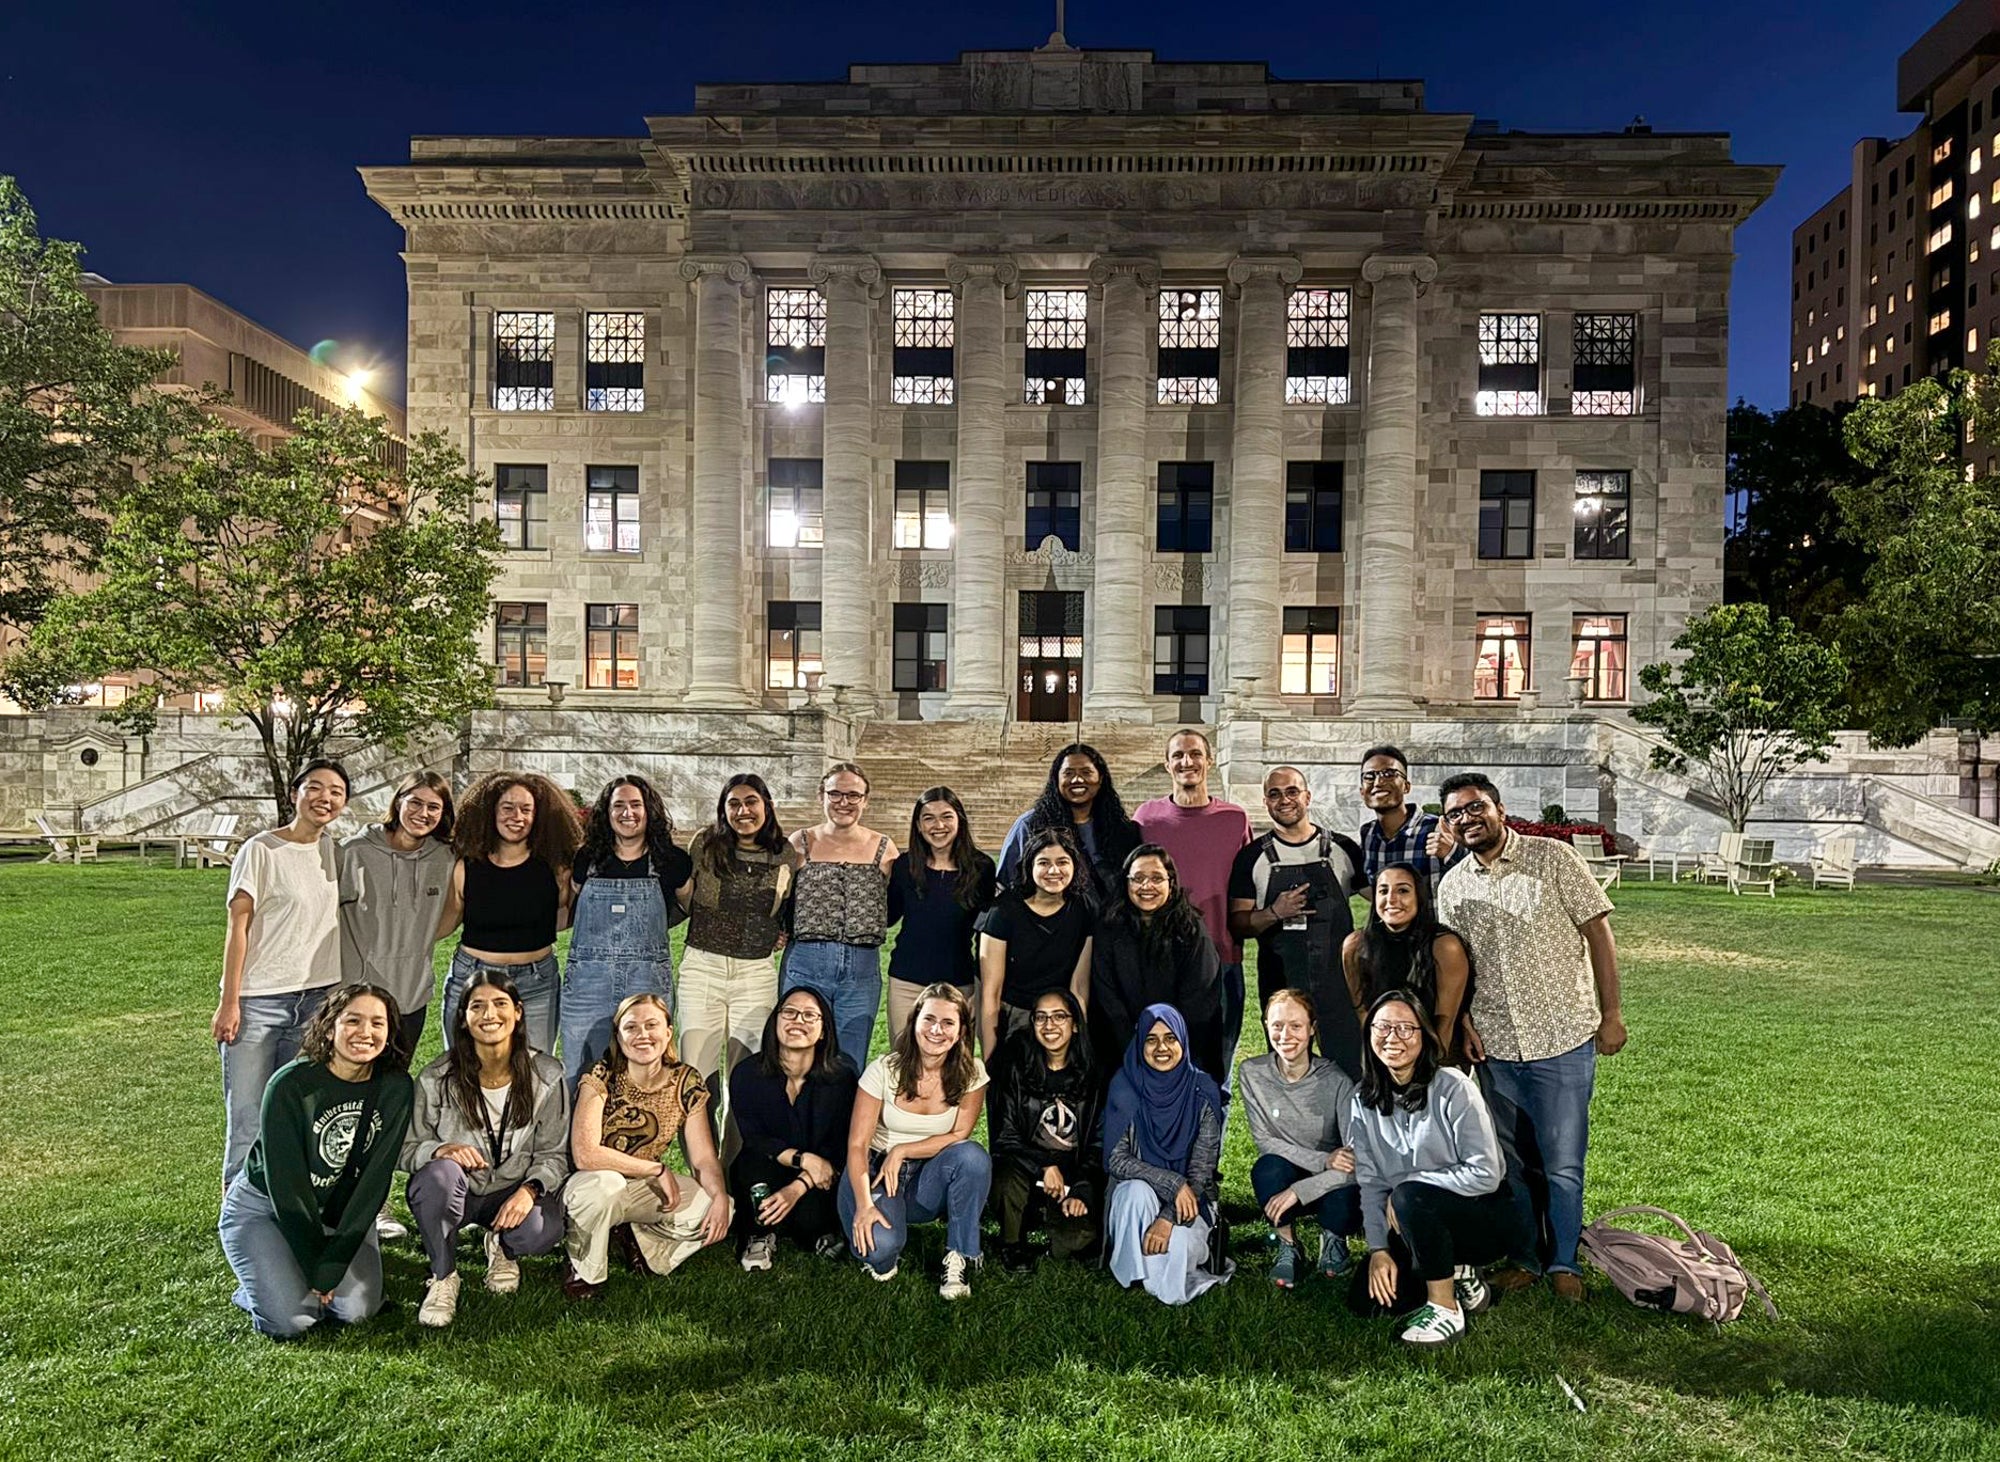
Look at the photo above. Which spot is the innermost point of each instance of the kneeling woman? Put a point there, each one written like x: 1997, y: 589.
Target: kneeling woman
x: 1045, y: 1130
x: 1435, y: 1201
x: 1162, y: 1150
x: 298, y: 1222
x: 792, y: 1103
x: 910, y: 1153
x: 630, y: 1107
x: 489, y: 1145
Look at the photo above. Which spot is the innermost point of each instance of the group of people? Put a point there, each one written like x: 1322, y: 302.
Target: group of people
x: 1427, y: 1084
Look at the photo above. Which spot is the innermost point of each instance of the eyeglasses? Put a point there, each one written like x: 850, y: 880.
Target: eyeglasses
x: 1369, y: 778
x: 1149, y: 880
x: 1466, y: 811
x: 1396, y: 1030
x: 1052, y: 1017
x: 845, y: 797
x: 802, y: 1017
x: 1283, y: 794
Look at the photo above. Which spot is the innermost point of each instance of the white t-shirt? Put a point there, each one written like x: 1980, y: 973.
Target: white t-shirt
x: 294, y: 890
x: 898, y: 1126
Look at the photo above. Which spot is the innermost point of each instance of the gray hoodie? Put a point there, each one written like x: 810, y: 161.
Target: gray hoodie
x: 389, y: 903
x: 540, y: 1151
x: 1450, y: 1143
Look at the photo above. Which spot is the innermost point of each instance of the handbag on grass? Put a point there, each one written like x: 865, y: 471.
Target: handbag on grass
x: 1697, y: 1274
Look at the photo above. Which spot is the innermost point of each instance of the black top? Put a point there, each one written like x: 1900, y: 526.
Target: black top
x: 815, y: 1123
x: 509, y: 910
x: 1124, y: 980
x: 1308, y: 959
x: 936, y: 940
x: 1041, y: 952
x: 1037, y: 1117
x: 678, y: 870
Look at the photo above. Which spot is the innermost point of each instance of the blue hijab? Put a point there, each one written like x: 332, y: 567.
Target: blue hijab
x: 1162, y: 1109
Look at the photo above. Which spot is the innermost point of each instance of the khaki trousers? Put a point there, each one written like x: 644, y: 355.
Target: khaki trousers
x: 597, y: 1200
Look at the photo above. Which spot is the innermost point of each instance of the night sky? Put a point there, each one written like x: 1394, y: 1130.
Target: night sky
x: 217, y: 144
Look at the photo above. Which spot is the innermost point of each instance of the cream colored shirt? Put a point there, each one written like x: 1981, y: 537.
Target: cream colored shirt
x: 897, y: 1126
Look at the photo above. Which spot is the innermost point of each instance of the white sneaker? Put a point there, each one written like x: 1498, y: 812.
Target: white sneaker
x: 1434, y: 1325
x: 388, y: 1226
x: 503, y: 1272
x: 1470, y: 1290
x: 954, y: 1286
x: 880, y: 1276
x: 440, y: 1306
x: 758, y: 1251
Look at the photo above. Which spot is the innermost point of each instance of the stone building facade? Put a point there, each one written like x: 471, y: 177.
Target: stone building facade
x: 1058, y: 384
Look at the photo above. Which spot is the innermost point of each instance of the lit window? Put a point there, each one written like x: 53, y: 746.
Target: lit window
x: 1972, y: 162
x: 1597, y: 653
x: 1810, y: 356
x: 611, y: 510
x: 921, y: 637
x: 1812, y: 317
x: 524, y: 361
x: 521, y: 643
x: 794, y: 346
x: 611, y: 647
x: 1871, y: 355
x: 1940, y: 321
x: 1940, y: 236
x: 1055, y: 504
x: 521, y: 505
x: 924, y: 354
x: 1500, y: 662
x: 1889, y: 344
x: 1058, y: 324
x: 1506, y: 515
x: 1972, y: 341
x: 614, y: 362
x: 1313, y: 504
x: 923, y: 505
x: 1190, y: 367
x: 1972, y: 206
x: 1180, y: 649
x: 1603, y: 379
x: 1603, y: 515
x: 1941, y: 194
x: 1825, y: 345
x: 1840, y: 332
x: 796, y: 505
x: 1510, y: 365
x: 791, y: 645
x: 1310, y: 661
x: 1940, y: 152
x: 1186, y: 521
x: 1873, y: 314
x: 1316, y: 364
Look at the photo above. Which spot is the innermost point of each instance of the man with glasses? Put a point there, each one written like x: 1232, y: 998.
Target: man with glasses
x: 1288, y: 890
x: 1544, y: 1007
x: 1399, y: 832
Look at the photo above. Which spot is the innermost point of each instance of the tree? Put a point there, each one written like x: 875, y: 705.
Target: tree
x: 1752, y: 699
x: 78, y: 415
x: 267, y: 576
x: 1788, y: 549
x: 1924, y: 641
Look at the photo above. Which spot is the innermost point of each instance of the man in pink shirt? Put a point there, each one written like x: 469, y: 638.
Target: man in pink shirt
x: 1203, y: 834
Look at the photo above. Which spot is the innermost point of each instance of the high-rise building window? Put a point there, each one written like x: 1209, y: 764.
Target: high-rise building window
x: 1500, y: 664
x: 1313, y: 505
x: 923, y: 505
x: 1180, y: 649
x: 1603, y: 515
x: 1510, y: 365
x: 1057, y: 323
x: 1055, y: 504
x: 1186, y: 522
x: 1597, y: 652
x: 1603, y: 379
x: 1190, y: 369
x: 1506, y: 515
x: 791, y: 644
x: 521, y: 642
x: 1941, y: 194
x: 521, y: 505
x: 923, y: 355
x: 795, y: 507
x: 794, y: 346
x: 611, y: 647
x: 920, y: 649
x: 524, y: 360
x: 614, y: 361
x: 611, y: 510
x: 1316, y: 364
x: 1310, y: 661
x: 1940, y: 236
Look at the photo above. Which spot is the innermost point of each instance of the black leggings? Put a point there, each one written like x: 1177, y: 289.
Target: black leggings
x: 1438, y: 1230
x: 810, y: 1217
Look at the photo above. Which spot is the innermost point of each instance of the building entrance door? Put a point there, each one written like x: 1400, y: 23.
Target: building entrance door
x: 1050, y: 677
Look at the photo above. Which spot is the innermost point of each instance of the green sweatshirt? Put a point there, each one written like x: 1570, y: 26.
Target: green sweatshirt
x: 310, y: 1116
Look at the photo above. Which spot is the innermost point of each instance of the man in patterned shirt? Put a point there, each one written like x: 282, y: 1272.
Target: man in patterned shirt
x: 1399, y: 832
x: 1544, y: 1008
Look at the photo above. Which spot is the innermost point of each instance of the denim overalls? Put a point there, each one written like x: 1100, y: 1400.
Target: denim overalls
x: 617, y: 947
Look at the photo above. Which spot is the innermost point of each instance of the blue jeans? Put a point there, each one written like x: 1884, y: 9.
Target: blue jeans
x: 850, y: 976
x: 1542, y: 1111
x: 540, y: 985
x: 1338, y: 1209
x: 1232, y: 1022
x: 267, y: 1038
x: 617, y: 947
x: 269, y: 1283
x: 951, y: 1185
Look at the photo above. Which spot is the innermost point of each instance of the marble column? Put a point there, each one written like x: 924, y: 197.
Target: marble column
x: 1386, y: 682
x: 1257, y: 477
x: 979, y: 626
x: 852, y: 284
x: 1121, y: 641
x: 721, y: 463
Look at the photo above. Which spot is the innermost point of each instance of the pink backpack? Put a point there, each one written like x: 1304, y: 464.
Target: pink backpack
x: 1698, y: 1275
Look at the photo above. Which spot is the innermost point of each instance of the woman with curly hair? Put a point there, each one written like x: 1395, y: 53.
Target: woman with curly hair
x: 1152, y: 948
x: 516, y: 840
x: 298, y: 1223
x: 624, y: 888
x: 1079, y: 800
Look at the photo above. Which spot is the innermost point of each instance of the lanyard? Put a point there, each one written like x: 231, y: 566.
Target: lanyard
x: 495, y: 1135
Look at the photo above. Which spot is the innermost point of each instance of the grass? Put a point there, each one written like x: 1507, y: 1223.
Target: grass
x: 1812, y: 1078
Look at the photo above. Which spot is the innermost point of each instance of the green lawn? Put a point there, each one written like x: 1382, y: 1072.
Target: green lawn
x: 1814, y: 1079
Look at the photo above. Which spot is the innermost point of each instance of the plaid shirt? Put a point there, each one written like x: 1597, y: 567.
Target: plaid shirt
x: 1378, y: 852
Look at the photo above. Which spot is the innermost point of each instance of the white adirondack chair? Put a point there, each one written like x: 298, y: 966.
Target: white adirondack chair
x: 1714, y: 867
x: 216, y: 847
x: 1606, y: 868
x: 1754, y: 867
x: 67, y: 847
x: 1833, y: 862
